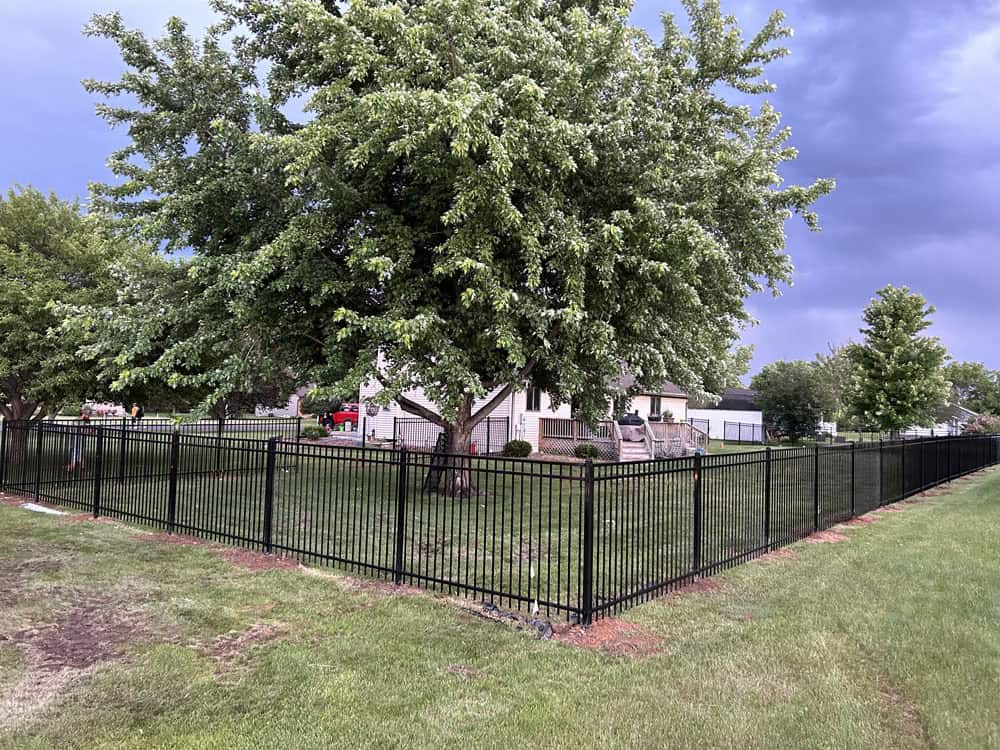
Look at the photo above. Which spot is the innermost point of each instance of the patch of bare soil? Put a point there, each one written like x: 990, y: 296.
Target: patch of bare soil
x: 384, y: 587
x: 889, y: 509
x: 178, y: 539
x: 782, y: 553
x: 14, y: 574
x: 11, y: 500
x: 229, y: 647
x: 244, y: 558
x: 611, y: 636
x: 91, y: 632
x: 827, y: 537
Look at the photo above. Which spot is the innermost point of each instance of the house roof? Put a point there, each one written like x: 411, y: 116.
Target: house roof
x: 668, y: 389
x: 737, y: 399
x: 955, y: 412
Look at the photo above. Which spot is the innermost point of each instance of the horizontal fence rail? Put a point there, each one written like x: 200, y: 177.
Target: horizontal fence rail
x: 254, y: 427
x: 416, y: 434
x: 577, y: 540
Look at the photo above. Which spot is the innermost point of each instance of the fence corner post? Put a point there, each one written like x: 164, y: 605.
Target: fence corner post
x: 696, y: 546
x: 40, y: 429
x: 854, y: 478
x: 98, y: 470
x: 587, y: 613
x: 881, y: 472
x: 175, y: 447
x: 816, y: 487
x: 272, y: 455
x: 400, y: 542
x: 4, y: 440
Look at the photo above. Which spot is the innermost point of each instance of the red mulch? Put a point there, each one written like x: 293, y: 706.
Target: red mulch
x: 889, y: 509
x: 782, y: 553
x: 244, y: 558
x: 611, y: 636
x: 385, y: 587
x: 698, y: 586
x: 864, y: 520
x: 827, y: 537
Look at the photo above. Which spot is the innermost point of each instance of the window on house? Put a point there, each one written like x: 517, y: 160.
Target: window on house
x: 534, y: 399
x: 654, y: 406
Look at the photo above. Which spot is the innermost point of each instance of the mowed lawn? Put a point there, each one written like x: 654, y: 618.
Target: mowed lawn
x: 890, y: 638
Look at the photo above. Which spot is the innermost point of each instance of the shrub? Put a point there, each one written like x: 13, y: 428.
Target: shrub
x: 984, y: 424
x: 313, y: 431
x: 517, y: 449
x: 586, y: 450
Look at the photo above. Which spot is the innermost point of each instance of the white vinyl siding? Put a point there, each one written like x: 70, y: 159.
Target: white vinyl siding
x: 718, y: 417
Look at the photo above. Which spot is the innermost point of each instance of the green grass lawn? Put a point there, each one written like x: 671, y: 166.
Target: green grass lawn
x: 887, y: 639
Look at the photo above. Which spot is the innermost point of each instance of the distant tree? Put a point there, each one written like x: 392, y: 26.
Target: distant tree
x: 793, y: 397
x: 478, y: 195
x: 50, y: 255
x: 899, y: 378
x: 164, y: 338
x: 835, y: 371
x: 974, y: 386
x: 984, y: 424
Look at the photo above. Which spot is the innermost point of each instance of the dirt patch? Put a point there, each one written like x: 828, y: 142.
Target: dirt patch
x: 14, y: 574
x: 864, y: 520
x: 782, y: 553
x: 227, y: 648
x: 91, y: 632
x: 244, y: 558
x: 889, y: 509
x: 611, y: 636
x: 177, y: 539
x: 383, y: 587
x: 827, y: 537
x: 466, y: 673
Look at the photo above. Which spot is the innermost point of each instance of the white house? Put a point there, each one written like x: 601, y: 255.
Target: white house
x: 735, y: 417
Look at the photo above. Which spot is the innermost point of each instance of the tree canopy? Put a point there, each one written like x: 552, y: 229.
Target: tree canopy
x: 463, y: 196
x: 899, y: 378
x: 974, y: 386
x: 50, y: 254
x: 793, y: 396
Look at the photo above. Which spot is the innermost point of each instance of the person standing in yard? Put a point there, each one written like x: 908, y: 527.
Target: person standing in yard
x: 137, y: 413
x: 76, y: 442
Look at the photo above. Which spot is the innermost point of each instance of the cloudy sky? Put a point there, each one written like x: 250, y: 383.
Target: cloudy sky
x: 896, y: 99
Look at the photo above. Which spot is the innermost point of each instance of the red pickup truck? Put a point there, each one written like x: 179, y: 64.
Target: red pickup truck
x: 348, y: 415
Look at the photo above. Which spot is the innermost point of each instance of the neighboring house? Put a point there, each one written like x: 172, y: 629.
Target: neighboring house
x: 735, y: 417
x: 527, y: 413
x: 291, y: 409
x: 951, y: 420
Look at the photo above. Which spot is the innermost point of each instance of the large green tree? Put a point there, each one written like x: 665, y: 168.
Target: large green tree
x: 899, y: 378
x: 794, y: 397
x: 483, y: 193
x: 974, y: 386
x: 50, y: 254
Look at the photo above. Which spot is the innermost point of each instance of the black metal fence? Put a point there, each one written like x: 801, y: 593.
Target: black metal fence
x: 743, y: 432
x: 573, y: 540
x: 288, y: 428
x: 488, y: 437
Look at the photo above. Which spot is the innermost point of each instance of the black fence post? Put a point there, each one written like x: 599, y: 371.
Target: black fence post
x: 902, y: 466
x: 854, y: 477
x: 98, y: 470
x: 175, y: 448
x: 401, y: 490
x: 272, y: 455
x: 4, y: 439
x: 588, y: 543
x: 696, y: 556
x: 298, y: 427
x: 881, y: 472
x: 38, y: 460
x: 816, y: 487
x: 767, y: 498
x: 489, y: 445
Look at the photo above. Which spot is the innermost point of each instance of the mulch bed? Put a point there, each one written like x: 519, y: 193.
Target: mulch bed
x: 615, y: 637
x: 698, y: 586
x: 782, y: 553
x: 889, y: 509
x: 827, y: 537
x: 244, y: 558
x: 864, y: 520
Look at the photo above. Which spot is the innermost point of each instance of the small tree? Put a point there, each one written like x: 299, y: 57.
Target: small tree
x: 899, y: 378
x: 793, y: 397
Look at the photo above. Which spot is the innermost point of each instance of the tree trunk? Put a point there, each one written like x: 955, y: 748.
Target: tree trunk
x: 458, y: 474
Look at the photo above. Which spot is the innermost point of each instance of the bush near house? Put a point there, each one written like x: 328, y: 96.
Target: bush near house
x: 313, y: 431
x: 517, y: 449
x: 985, y: 424
x: 586, y: 450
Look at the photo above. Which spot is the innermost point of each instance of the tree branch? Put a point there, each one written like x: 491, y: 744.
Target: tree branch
x: 421, y: 411
x: 486, y: 409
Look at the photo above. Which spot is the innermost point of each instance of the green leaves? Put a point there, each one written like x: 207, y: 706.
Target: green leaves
x: 899, y: 379
x: 463, y: 188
